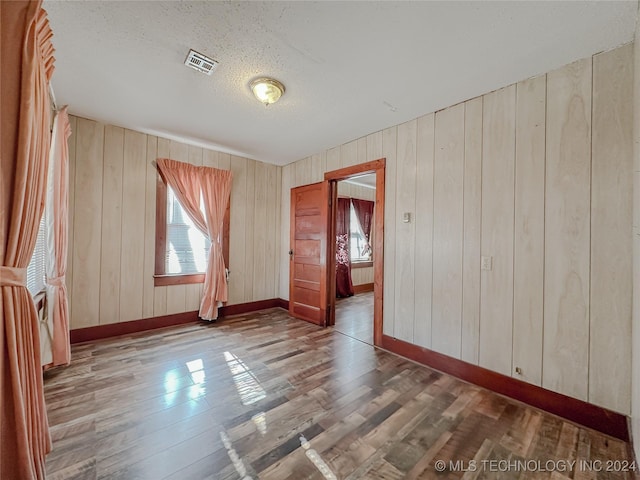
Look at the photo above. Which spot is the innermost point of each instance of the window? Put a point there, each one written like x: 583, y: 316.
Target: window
x: 36, y: 269
x: 187, y: 248
x: 358, y: 246
x: 182, y: 250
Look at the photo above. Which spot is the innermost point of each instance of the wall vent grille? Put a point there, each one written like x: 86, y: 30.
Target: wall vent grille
x: 200, y: 62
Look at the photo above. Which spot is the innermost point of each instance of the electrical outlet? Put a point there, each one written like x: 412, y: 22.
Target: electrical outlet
x: 486, y: 263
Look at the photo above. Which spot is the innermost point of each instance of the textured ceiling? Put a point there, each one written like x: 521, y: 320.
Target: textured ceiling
x: 350, y: 68
x: 367, y: 181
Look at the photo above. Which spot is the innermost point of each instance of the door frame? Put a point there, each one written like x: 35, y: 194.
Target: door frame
x: 334, y: 176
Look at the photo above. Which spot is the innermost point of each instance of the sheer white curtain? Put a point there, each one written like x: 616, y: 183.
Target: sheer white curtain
x: 57, y: 218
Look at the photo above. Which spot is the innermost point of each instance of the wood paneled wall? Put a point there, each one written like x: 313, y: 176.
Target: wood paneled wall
x: 538, y: 177
x: 635, y: 380
x: 311, y: 170
x: 112, y: 226
x: 635, y: 346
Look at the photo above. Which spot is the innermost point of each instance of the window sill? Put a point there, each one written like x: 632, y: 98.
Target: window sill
x: 361, y: 264
x: 178, y: 279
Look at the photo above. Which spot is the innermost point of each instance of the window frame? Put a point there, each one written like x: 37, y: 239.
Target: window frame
x: 160, y: 277
x: 355, y: 229
x: 357, y: 263
x: 361, y: 263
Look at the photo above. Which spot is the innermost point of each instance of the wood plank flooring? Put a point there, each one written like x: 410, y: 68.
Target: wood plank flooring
x: 265, y: 396
x: 354, y: 316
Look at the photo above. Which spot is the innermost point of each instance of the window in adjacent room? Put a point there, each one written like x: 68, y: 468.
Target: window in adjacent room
x: 358, y: 246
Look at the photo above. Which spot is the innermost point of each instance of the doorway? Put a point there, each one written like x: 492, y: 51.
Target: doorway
x: 312, y: 251
x: 351, y: 174
x: 355, y: 229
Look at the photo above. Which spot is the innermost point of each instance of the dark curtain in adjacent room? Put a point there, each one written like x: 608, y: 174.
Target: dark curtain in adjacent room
x: 344, y: 287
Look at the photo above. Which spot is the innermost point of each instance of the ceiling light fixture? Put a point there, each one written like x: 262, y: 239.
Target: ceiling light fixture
x: 267, y: 90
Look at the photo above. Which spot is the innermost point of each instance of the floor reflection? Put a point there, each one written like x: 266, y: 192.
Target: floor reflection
x: 238, y: 464
x: 260, y: 421
x: 171, y: 385
x: 247, y: 384
x: 317, y: 460
x: 196, y: 370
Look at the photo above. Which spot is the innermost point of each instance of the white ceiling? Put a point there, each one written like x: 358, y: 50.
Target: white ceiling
x: 350, y: 68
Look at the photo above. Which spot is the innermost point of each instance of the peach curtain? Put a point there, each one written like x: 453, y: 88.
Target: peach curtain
x: 57, y: 215
x: 189, y: 183
x: 27, y: 65
x: 216, y: 187
x: 184, y: 180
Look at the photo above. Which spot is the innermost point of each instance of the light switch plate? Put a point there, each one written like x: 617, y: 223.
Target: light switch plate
x: 486, y: 263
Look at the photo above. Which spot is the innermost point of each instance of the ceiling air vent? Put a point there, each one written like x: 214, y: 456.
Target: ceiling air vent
x: 200, y: 62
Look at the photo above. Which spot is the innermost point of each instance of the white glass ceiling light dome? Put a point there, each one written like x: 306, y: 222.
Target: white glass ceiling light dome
x: 267, y: 90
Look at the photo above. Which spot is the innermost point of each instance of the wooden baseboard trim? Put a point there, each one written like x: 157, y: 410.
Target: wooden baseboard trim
x: 578, y: 411
x: 631, y: 449
x: 365, y: 287
x: 248, y: 307
x: 100, y: 332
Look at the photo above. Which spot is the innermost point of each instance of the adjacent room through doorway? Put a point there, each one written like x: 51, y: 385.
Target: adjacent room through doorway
x: 354, y: 257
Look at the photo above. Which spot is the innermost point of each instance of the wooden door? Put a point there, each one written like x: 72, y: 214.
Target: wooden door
x: 308, y: 299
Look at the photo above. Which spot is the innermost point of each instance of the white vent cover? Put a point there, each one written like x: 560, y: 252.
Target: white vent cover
x: 200, y: 62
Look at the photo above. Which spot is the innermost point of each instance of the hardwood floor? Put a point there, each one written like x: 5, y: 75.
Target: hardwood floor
x: 264, y: 396
x: 354, y: 316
